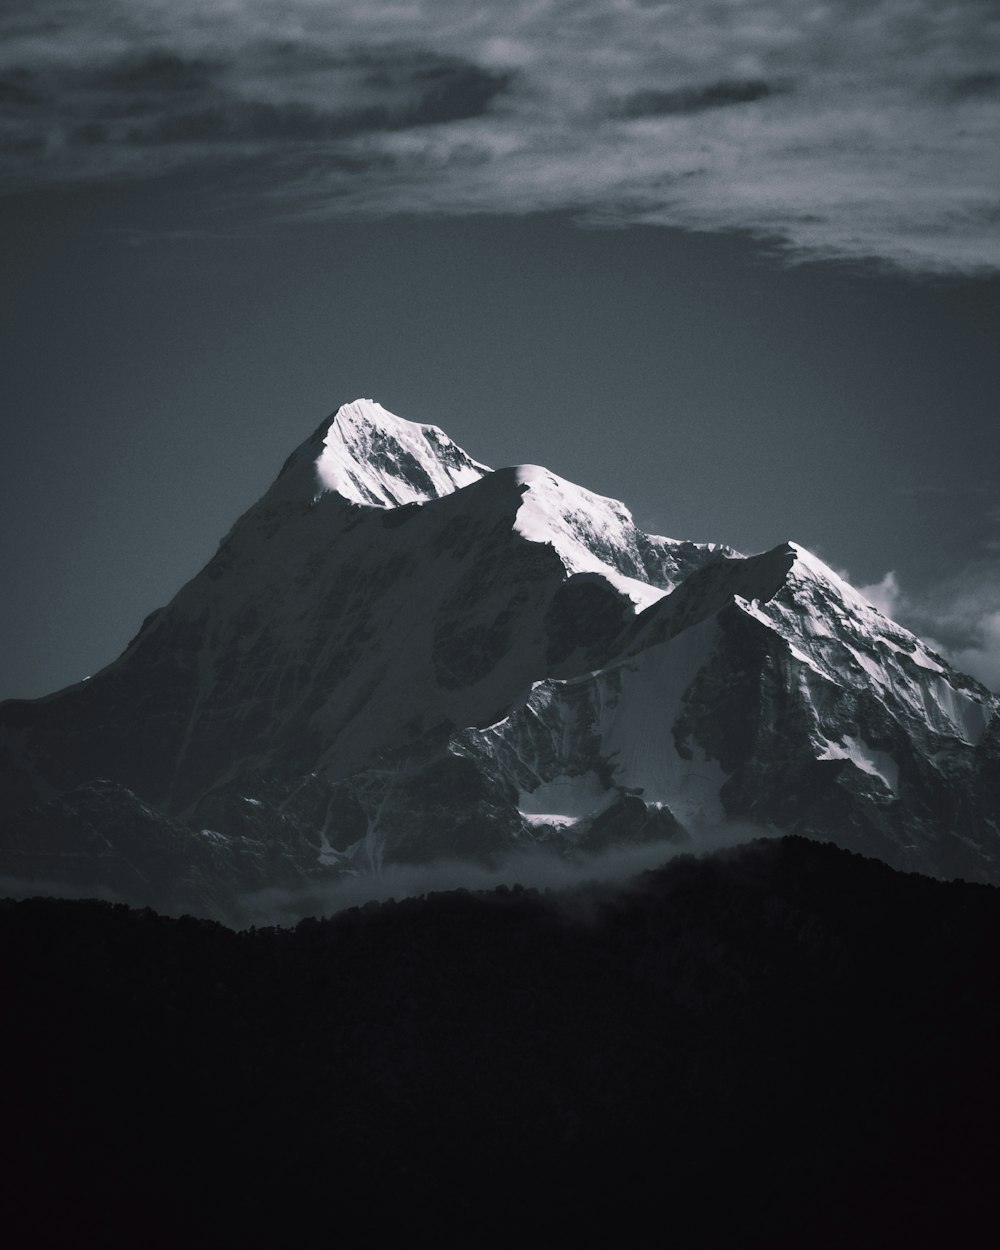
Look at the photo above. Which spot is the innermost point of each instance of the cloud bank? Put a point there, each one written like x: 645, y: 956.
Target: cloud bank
x: 843, y: 129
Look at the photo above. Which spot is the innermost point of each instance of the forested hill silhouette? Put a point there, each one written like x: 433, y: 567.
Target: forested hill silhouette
x: 780, y: 1044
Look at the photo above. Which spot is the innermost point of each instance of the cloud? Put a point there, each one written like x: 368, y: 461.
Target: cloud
x: 536, y: 868
x: 959, y: 617
x: 693, y: 99
x: 982, y: 657
x: 17, y: 888
x: 884, y: 594
x: 146, y: 102
x: 971, y: 85
x: 843, y: 130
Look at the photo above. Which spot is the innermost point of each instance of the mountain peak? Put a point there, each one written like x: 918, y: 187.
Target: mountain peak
x: 346, y: 687
x: 372, y: 457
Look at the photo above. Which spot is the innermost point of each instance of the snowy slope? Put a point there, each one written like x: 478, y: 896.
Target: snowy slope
x: 837, y: 634
x: 590, y: 533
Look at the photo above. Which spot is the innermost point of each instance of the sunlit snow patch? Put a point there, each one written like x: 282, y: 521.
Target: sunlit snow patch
x: 876, y: 763
x: 581, y: 526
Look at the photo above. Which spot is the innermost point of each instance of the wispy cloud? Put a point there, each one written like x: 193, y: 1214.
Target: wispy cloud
x: 844, y: 129
x: 960, y: 617
x: 885, y: 594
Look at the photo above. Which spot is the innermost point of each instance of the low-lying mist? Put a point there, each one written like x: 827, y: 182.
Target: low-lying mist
x: 537, y: 868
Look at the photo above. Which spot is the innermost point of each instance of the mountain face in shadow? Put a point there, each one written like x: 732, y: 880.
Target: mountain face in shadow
x: 398, y: 656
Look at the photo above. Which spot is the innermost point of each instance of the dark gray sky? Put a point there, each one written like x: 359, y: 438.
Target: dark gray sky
x: 734, y: 267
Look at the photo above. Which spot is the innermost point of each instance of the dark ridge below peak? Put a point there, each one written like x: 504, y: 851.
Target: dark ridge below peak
x: 808, y: 1029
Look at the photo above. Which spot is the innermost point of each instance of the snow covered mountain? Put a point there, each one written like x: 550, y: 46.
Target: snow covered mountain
x: 398, y: 655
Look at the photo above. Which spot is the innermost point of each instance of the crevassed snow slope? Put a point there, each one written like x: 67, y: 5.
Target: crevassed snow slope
x: 830, y: 627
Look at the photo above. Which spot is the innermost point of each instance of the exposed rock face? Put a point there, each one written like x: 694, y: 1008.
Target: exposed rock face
x: 398, y: 655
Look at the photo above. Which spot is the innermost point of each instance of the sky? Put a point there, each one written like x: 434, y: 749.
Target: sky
x: 734, y: 263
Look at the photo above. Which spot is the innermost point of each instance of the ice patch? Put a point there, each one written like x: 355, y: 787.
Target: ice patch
x: 953, y: 711
x: 328, y: 857
x: 212, y: 836
x: 919, y: 655
x: 876, y: 763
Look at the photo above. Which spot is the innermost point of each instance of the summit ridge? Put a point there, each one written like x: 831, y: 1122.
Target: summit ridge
x: 371, y: 456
